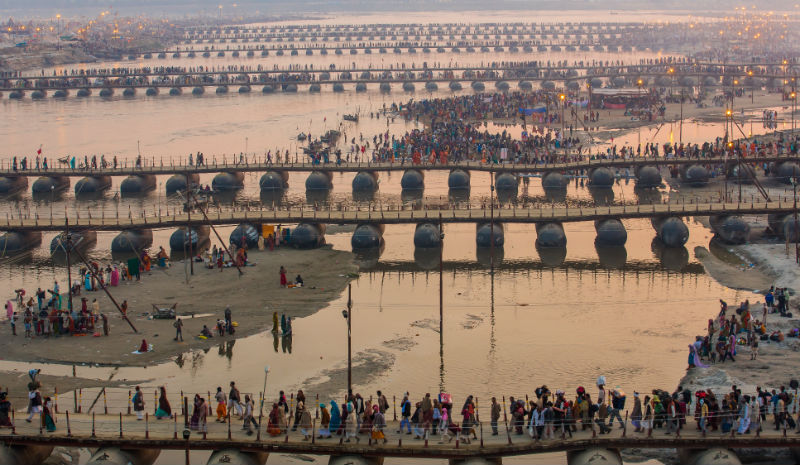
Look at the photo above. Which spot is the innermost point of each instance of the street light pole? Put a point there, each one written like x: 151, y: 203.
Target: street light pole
x: 796, y: 234
x: 563, y: 99
x: 69, y: 265
x: 491, y: 223
x: 639, y: 126
x: 348, y: 314
x: 794, y: 108
x: 263, y: 392
x: 680, y: 126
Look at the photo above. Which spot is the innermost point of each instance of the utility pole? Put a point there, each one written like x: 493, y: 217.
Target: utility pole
x: 491, y: 223
x: 794, y: 107
x: 441, y: 304
x: 349, y: 339
x: 563, y: 99
x: 796, y: 224
x: 189, y: 208
x: 680, y: 126
x: 69, y: 265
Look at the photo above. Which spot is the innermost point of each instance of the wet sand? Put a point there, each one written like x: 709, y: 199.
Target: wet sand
x: 253, y: 298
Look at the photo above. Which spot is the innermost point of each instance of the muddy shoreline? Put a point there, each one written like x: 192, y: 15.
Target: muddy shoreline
x: 252, y: 297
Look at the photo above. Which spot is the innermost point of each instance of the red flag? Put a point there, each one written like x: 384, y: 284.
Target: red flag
x: 39, y: 152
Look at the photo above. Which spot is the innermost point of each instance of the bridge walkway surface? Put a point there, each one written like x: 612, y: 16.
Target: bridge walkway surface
x: 177, y: 165
x: 375, y: 214
x: 125, y: 431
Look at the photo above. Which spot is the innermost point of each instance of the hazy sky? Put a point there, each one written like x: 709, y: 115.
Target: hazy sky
x: 44, y: 8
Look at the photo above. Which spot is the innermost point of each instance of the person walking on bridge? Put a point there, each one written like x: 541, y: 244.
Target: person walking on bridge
x: 672, y: 415
x: 405, y: 412
x: 378, y: 424
x: 383, y: 404
x: 305, y: 421
x: 336, y: 419
x: 222, y: 401
x: 636, y: 413
x: 427, y: 413
x: 351, y: 424
x: 164, y: 410
x: 416, y: 421
x: 234, y: 399
x: 744, y: 416
x: 301, y: 399
x: 325, y: 422
x: 495, y: 415
x: 248, y: 415
x: 138, y: 403
x: 617, y: 405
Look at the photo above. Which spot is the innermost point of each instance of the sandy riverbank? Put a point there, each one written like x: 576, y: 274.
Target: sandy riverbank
x: 253, y: 298
x: 37, y: 57
x: 755, y: 266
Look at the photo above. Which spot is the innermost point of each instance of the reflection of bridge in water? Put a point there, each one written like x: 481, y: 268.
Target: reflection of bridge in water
x: 24, y: 232
x: 402, y: 215
x: 617, y: 264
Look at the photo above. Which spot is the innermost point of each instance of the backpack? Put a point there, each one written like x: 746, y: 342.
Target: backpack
x: 593, y: 408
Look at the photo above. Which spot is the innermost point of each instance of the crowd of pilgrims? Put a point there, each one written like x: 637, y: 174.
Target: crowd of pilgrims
x: 49, y: 314
x: 456, y: 130
x: 545, y: 415
x: 599, y: 66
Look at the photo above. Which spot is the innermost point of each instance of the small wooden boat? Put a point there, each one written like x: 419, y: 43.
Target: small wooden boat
x: 330, y: 137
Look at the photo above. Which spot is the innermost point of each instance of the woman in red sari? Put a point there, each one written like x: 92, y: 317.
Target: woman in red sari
x: 274, y: 422
x: 283, y: 276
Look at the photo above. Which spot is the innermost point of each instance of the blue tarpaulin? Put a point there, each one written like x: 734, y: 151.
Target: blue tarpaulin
x: 530, y: 111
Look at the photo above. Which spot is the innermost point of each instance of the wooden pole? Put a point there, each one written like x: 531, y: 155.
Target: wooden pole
x: 103, y: 286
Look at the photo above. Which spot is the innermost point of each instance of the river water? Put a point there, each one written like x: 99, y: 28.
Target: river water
x: 560, y: 321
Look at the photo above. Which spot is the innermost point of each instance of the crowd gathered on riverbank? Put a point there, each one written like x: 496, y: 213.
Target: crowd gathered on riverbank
x: 456, y: 131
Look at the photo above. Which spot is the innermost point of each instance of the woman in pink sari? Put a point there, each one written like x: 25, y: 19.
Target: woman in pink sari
x: 115, y: 277
x: 694, y: 358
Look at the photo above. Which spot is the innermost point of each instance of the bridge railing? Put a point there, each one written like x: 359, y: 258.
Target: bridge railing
x: 342, y: 213
x: 220, y: 162
x: 110, y: 413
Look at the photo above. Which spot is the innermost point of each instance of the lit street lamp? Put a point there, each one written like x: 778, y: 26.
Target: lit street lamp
x: 263, y: 393
x: 639, y: 83
x: 563, y: 99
